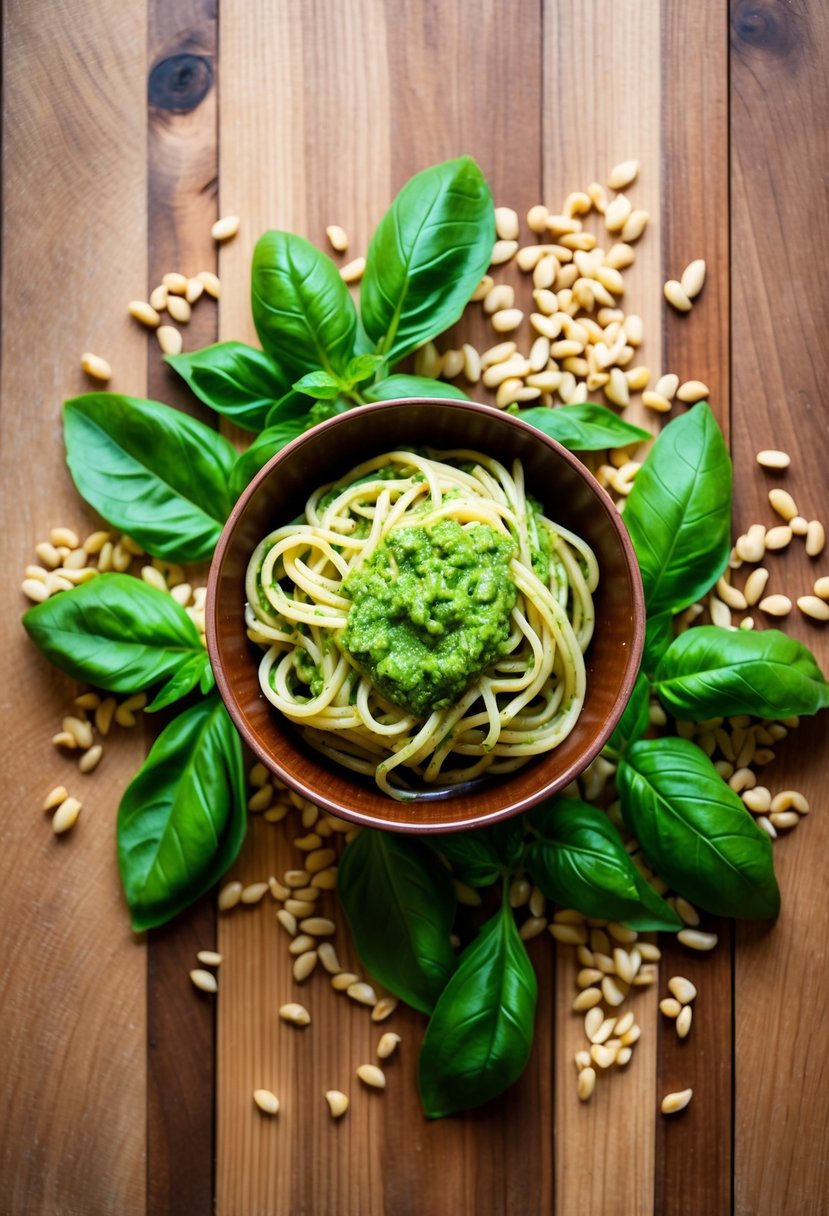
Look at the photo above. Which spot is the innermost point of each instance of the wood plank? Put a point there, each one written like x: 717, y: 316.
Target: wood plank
x: 588, y: 128
x: 72, y: 1010
x: 694, y: 1153
x: 182, y: 163
x: 779, y: 95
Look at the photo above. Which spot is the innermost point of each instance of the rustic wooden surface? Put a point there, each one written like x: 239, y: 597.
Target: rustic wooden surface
x: 125, y: 1091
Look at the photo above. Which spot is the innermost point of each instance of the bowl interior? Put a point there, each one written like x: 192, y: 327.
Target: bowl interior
x: 570, y: 496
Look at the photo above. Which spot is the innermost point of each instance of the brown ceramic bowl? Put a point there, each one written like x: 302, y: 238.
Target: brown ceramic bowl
x: 569, y: 495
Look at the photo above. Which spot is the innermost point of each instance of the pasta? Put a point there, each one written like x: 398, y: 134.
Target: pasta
x: 523, y: 685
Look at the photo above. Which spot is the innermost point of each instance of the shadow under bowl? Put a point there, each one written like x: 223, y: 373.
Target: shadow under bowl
x: 569, y: 494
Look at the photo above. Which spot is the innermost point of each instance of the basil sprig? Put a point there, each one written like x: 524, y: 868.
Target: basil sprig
x: 150, y: 470
x: 400, y: 905
x: 710, y: 672
x: 695, y: 830
x: 118, y: 633
x: 182, y: 820
x: 479, y: 857
x: 234, y: 379
x: 479, y: 1037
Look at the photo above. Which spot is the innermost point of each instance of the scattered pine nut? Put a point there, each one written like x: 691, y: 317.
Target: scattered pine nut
x: 815, y: 538
x: 104, y: 715
x: 267, y: 1102
x: 588, y: 998
x: 169, y: 339
x: 295, y: 1013
x: 812, y: 606
x: 384, y: 1008
x: 586, y: 1083
x: 301, y: 943
x: 623, y: 174
x: 179, y: 309
x: 304, y: 965
x: 635, y: 225
x: 144, y: 313
x: 55, y: 797
x: 225, y: 228
x: 96, y: 367
x: 682, y: 989
x: 655, y: 401
x: 673, y: 1103
x: 337, y: 238
x: 343, y: 981
x: 372, y: 1076
x: 755, y: 585
x: 692, y: 278
x: 253, y: 893
x: 731, y: 596
x: 503, y: 251
x: 776, y: 605
x: 195, y: 290
x: 778, y: 538
x: 670, y: 1007
x: 319, y: 926
x: 676, y: 297
x: 229, y: 896
x: 175, y: 282
x: 537, y: 218
x: 204, y: 980
x: 262, y: 799
x: 299, y: 907
x: 337, y: 1102
x: 683, y: 1021
x: 210, y: 958
x: 784, y: 819
x: 602, y: 1055
x: 328, y: 957
x: 788, y: 799
x: 697, y: 940
x: 821, y: 587
x: 506, y: 223
x: 158, y: 297
x: 481, y: 291
x: 771, y: 458
x: 506, y: 320
x: 35, y: 590
x: 693, y: 390
x: 361, y: 992
x: 387, y: 1045
x: 66, y: 815
x: 617, y: 213
x: 91, y: 758
x: 783, y: 503
x: 211, y: 283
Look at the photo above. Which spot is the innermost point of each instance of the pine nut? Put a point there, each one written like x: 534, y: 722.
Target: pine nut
x: 816, y: 608
x: 799, y: 525
x: 586, y: 1084
x: 532, y: 927
x: 655, y: 401
x: 179, y: 309
x: 692, y: 278
x: 158, y: 297
x: 697, y: 940
x: 471, y: 363
x: 537, y: 218
x: 789, y: 799
x: 598, y: 196
x: 731, y: 596
x: 169, y: 339
x: 617, y: 213
x: 372, y: 1076
x: 587, y: 999
x: 296, y: 878
x: 299, y: 907
x: 387, y: 1045
x: 300, y: 944
x: 519, y: 893
x: 304, y: 965
x: 757, y: 799
x: 267, y: 1102
x: 821, y: 587
x: 635, y: 225
x: 499, y: 353
x: 337, y: 238
x: 673, y: 1103
x: 767, y: 826
x: 693, y: 390
x: 211, y: 283
x: 623, y: 174
x: 210, y: 958
x: 353, y: 271
x: 384, y: 1008
x: 34, y: 590
x: 631, y: 1036
x: 588, y: 976
x: 294, y: 1013
x: 90, y: 759
x: 771, y: 458
x: 751, y: 546
x: 616, y: 391
x: 815, y: 538
x: 337, y: 1102
x: 582, y: 1059
x: 682, y: 989
x: 225, y: 228
x: 326, y: 880
x: 319, y: 926
x: 637, y: 378
x: 778, y: 538
x: 254, y: 892
x: 48, y: 554
x: 755, y: 585
x: 175, y: 282
x: 783, y: 503
x: 503, y: 251
x: 602, y: 1055
x: 667, y: 385
x: 676, y: 296
x: 570, y: 935
x: 506, y: 320
x: 506, y: 223
x: 80, y: 730
x: 229, y: 896
x: 343, y: 981
x: 776, y: 605
x: 319, y: 859
x: 501, y: 296
x: 96, y: 367
x: 66, y: 815
x: 483, y: 288
x: 650, y: 952
x: 362, y: 992
x: 195, y: 290
x: 144, y: 313
x: 784, y: 819
x: 670, y: 1007
x: 204, y: 980
x: 563, y: 225
x: 308, y: 843
x: 613, y: 991
x: 55, y: 797
x: 720, y: 614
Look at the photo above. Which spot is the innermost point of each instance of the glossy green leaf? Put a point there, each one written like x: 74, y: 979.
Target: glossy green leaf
x: 115, y: 632
x: 679, y: 512
x: 189, y: 675
x: 150, y: 470
x: 659, y: 633
x: 635, y: 719
x: 412, y: 386
x: 428, y: 254
x: 361, y: 367
x: 584, y: 428
x: 710, y: 672
x: 580, y: 861
x: 322, y: 386
x: 479, y: 1037
x: 695, y: 830
x: 480, y: 856
x: 302, y: 309
x: 264, y: 446
x: 400, y: 904
x: 182, y: 820
x: 237, y: 380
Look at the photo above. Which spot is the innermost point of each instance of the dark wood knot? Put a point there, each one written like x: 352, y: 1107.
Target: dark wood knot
x: 180, y: 82
x: 768, y: 26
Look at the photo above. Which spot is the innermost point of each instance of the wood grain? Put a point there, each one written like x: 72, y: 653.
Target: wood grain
x: 72, y: 986
x: 779, y: 98
x: 697, y: 345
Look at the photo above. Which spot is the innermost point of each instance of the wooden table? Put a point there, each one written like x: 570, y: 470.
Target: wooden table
x: 124, y: 1091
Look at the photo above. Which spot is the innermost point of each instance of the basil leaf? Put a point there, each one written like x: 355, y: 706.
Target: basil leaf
x: 236, y: 380
x: 184, y: 681
x: 115, y: 632
x: 254, y: 458
x: 581, y: 862
x: 711, y: 672
x: 679, y: 512
x: 151, y: 471
x: 400, y: 904
x: 360, y: 368
x: 472, y: 857
x: 320, y: 385
x: 659, y: 633
x: 427, y: 256
x: 584, y: 428
x: 479, y: 1037
x: 302, y: 309
x: 289, y: 408
x: 207, y: 680
x: 412, y: 386
x: 695, y: 830
x: 635, y: 720
x: 182, y: 819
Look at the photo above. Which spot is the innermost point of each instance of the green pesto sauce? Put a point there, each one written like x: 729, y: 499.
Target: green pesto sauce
x: 431, y: 609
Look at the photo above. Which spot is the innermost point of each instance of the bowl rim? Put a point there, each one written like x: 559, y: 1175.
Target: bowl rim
x: 518, y: 804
